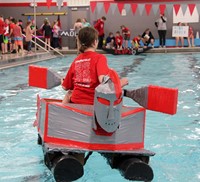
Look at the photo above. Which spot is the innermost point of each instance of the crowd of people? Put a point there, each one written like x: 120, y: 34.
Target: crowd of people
x: 120, y: 40
x: 13, y: 41
x: 14, y: 37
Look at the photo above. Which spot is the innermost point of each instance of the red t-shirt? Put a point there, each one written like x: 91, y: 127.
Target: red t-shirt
x: 82, y: 76
x: 17, y: 31
x: 2, y: 24
x: 136, y: 39
x: 126, y: 32
x: 99, y: 26
x: 118, y: 40
x: 11, y: 27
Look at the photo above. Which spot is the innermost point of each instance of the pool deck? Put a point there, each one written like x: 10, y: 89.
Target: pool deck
x: 12, y: 60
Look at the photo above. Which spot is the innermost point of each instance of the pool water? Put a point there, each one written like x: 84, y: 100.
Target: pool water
x: 175, y: 139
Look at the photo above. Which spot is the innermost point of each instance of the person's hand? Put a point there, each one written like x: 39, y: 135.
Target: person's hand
x: 61, y: 80
x: 124, y: 82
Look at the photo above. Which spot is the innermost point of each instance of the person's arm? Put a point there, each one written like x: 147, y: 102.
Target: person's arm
x: 11, y: 32
x: 67, y: 83
x: 143, y: 35
x: 151, y: 35
x: 97, y: 24
x: 164, y: 19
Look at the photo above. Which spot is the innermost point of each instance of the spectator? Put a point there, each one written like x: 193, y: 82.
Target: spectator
x: 56, y: 30
x: 179, y: 37
x: 126, y: 35
x: 118, y: 40
x: 85, y: 23
x: 110, y: 41
x: 136, y: 41
x: 2, y: 27
x: 11, y: 37
x: 190, y: 37
x: 29, y: 32
x: 6, y: 35
x: 17, y: 33
x: 147, y: 38
x: 99, y: 26
x: 162, y: 29
x: 77, y: 26
x: 21, y: 26
x: 47, y: 34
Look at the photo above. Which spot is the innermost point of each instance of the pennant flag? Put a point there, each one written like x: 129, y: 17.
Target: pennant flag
x: 177, y: 8
x: 99, y: 7
x: 169, y: 8
x: 148, y: 8
x: 155, y: 8
x: 134, y: 8
x: 184, y: 8
x: 93, y: 5
x: 106, y: 6
x: 120, y: 7
x: 162, y: 8
x: 59, y: 3
x: 141, y: 8
x: 198, y: 7
x: 127, y: 7
x: 113, y: 7
x: 48, y: 3
x: 191, y: 8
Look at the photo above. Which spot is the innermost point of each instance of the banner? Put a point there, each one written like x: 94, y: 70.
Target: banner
x: 148, y: 8
x: 93, y: 6
x: 106, y: 6
x: 59, y: 3
x: 134, y: 8
x: 48, y: 3
x: 180, y: 31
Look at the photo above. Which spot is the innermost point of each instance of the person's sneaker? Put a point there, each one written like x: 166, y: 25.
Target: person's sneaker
x: 164, y: 46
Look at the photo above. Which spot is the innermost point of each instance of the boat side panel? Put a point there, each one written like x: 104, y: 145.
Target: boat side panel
x: 69, y: 125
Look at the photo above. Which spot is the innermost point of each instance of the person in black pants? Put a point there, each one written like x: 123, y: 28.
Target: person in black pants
x: 162, y: 29
x: 99, y: 26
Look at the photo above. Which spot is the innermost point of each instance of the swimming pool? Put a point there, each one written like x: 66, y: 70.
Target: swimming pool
x: 174, y: 139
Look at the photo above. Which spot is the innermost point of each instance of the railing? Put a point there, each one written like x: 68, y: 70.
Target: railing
x: 36, y: 44
x: 44, y: 44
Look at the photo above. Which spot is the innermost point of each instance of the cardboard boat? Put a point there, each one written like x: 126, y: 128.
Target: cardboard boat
x: 69, y: 131
x: 69, y: 128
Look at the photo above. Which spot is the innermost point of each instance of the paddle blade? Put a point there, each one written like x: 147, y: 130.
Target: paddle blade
x: 156, y: 98
x: 42, y: 77
x: 162, y: 99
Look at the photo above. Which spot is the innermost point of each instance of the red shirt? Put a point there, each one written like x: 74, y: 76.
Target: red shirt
x: 126, y: 31
x: 99, y: 26
x: 17, y: 31
x: 82, y: 76
x: 118, y: 40
x: 136, y: 39
x: 2, y: 24
x: 11, y: 27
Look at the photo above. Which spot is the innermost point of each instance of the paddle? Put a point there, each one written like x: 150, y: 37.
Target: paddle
x: 42, y: 77
x: 151, y: 97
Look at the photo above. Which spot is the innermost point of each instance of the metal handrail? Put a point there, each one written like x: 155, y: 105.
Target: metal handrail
x: 48, y: 45
x: 37, y: 44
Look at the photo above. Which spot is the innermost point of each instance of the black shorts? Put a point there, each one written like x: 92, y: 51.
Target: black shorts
x: 1, y: 39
